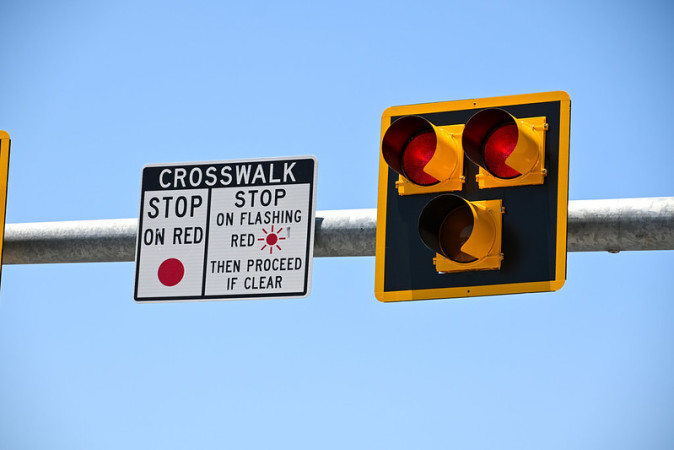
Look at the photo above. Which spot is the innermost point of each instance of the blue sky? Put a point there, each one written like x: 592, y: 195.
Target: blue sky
x: 92, y: 91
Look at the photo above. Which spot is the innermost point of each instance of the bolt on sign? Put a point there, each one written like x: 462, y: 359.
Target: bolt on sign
x: 226, y: 230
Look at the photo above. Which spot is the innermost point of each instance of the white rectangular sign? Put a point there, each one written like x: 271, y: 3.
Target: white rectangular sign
x: 226, y: 230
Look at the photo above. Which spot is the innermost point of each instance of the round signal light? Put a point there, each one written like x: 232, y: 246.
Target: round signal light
x: 497, y: 147
x: 408, y: 145
x: 489, y: 138
x: 445, y: 224
x: 454, y: 231
x: 416, y: 154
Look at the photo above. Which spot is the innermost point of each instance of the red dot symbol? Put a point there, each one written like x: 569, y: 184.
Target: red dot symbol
x: 272, y: 239
x: 171, y: 272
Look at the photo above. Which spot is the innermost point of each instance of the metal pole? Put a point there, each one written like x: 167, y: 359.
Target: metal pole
x: 593, y: 225
x: 621, y: 224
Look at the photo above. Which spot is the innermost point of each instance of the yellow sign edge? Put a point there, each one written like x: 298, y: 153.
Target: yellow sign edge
x: 380, y: 240
x: 563, y: 189
x: 472, y: 291
x: 476, y: 103
x: 4, y: 177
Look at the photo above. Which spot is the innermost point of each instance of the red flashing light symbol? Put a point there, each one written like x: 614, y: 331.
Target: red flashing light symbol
x: 271, y: 239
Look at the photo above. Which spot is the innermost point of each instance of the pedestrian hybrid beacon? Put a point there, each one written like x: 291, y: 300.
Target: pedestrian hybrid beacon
x: 473, y: 197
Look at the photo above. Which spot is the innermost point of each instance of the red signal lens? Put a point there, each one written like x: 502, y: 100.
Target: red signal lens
x: 490, y: 138
x: 455, y: 230
x: 498, y: 145
x: 418, y: 152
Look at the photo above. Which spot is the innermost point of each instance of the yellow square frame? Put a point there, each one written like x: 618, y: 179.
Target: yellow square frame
x: 562, y: 200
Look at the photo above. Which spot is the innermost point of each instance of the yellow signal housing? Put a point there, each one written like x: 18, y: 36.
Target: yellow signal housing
x: 511, y: 159
x: 465, y: 235
x: 427, y: 158
x: 441, y: 244
x: 484, y: 242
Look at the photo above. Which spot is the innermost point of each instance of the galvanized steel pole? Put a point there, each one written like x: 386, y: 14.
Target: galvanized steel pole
x: 593, y: 225
x: 621, y: 225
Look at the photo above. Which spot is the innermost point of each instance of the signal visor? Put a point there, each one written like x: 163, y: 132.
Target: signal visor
x: 427, y: 158
x: 465, y: 235
x: 509, y: 151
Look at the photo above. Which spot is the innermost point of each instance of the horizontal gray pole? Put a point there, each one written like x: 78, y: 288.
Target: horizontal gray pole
x: 621, y: 224
x: 594, y: 225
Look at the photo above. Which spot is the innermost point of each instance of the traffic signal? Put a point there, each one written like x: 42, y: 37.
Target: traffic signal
x: 473, y: 197
x: 427, y: 158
